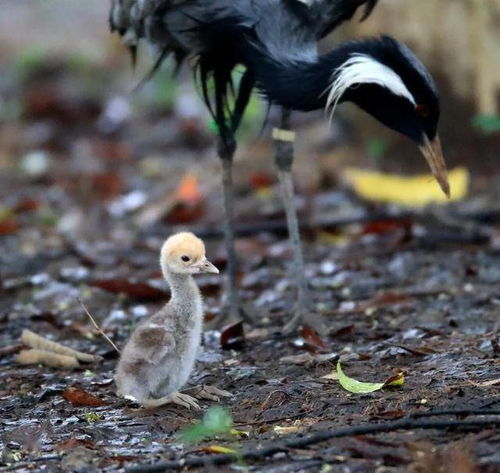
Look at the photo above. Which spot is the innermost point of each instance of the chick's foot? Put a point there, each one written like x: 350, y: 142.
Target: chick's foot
x: 180, y: 399
x: 209, y: 392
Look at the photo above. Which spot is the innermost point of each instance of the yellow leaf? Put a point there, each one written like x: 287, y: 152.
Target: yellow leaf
x: 219, y: 449
x: 413, y: 191
x: 240, y: 433
x: 288, y: 429
x: 396, y: 380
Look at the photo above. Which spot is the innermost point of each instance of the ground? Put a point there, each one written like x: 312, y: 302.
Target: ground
x: 88, y: 194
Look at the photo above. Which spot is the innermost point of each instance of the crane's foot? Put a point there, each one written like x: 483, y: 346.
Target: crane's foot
x: 210, y: 393
x: 180, y: 399
x: 303, y: 315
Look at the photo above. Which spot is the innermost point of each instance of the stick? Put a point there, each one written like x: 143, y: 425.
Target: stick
x: 48, y: 358
x: 457, y: 412
x: 97, y: 326
x: 35, y: 341
x: 321, y: 436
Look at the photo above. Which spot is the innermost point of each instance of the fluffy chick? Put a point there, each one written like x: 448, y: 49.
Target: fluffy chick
x: 160, y: 354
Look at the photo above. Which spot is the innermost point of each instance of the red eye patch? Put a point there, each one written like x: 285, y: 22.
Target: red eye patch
x: 422, y: 110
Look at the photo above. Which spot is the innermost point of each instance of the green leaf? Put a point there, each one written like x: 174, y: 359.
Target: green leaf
x: 354, y: 386
x: 216, y: 421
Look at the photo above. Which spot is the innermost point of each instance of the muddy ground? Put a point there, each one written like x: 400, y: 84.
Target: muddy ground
x: 89, y: 189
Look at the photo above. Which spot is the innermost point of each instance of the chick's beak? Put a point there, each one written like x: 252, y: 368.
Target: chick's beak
x: 434, y: 156
x: 206, y: 267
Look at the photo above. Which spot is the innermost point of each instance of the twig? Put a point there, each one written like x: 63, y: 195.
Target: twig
x: 276, y: 419
x: 318, y: 437
x: 457, y: 412
x: 96, y: 325
x: 10, y: 350
x: 28, y: 463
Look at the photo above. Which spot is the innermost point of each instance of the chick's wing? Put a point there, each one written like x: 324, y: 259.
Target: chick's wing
x: 154, y: 341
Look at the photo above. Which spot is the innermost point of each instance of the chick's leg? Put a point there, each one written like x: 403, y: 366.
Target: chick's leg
x: 284, y: 158
x: 183, y: 400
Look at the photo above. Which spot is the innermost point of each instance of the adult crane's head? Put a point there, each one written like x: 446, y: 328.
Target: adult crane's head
x: 384, y: 78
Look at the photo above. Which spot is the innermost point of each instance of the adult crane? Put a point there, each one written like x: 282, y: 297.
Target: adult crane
x: 276, y: 42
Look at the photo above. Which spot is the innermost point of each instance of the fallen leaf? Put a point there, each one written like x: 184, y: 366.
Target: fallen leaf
x: 395, y: 380
x: 106, y: 185
x: 72, y: 443
x: 219, y: 449
x: 381, y: 227
x: 342, y: 332
x: 8, y: 227
x: 285, y: 430
x: 421, y: 351
x: 259, y: 180
x: 240, y: 433
x: 331, y: 376
x: 393, y: 414
x: 27, y: 205
x: 233, y: 337
x: 357, y: 387
x: 79, y: 397
x: 310, y: 340
x: 414, y: 191
x: 136, y: 290
x: 188, y: 191
x: 187, y: 201
x: 307, y: 358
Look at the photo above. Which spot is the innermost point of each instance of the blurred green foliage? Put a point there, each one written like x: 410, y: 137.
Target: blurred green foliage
x: 376, y: 148
x: 487, y: 124
x: 216, y: 421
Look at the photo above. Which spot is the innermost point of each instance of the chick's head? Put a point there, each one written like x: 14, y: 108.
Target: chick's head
x: 184, y: 253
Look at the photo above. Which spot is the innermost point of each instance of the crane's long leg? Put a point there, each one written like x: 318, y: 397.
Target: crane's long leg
x: 226, y: 152
x: 284, y: 159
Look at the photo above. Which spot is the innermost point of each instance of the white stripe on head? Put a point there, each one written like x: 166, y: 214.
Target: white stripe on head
x: 362, y: 69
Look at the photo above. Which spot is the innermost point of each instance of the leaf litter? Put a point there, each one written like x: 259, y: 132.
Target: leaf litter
x: 405, y: 294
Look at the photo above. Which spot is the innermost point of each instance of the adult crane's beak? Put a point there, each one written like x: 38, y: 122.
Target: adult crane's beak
x: 434, y: 156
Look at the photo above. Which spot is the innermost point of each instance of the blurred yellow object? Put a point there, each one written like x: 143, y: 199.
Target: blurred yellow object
x: 413, y: 191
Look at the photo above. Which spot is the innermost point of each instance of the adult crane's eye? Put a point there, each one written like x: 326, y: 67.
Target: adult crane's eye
x: 185, y: 258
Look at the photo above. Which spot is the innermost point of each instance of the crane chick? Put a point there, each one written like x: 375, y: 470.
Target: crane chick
x: 160, y: 354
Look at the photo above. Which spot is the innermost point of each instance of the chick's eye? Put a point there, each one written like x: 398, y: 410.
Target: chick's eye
x: 185, y: 258
x: 422, y: 110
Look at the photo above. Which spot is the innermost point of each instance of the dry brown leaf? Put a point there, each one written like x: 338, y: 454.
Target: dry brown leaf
x: 79, y: 397
x: 135, y: 290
